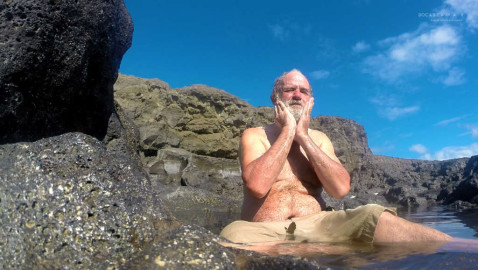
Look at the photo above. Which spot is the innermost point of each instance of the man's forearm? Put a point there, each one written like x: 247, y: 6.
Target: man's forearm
x: 332, y: 175
x: 260, y: 174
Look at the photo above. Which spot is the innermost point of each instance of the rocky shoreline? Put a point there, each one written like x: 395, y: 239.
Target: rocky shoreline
x: 178, y: 154
x: 135, y: 175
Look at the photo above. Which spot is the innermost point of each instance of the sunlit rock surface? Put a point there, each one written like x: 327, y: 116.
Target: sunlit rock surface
x: 166, y: 119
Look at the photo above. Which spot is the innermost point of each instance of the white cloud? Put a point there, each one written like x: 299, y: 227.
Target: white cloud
x: 449, y: 121
x: 319, y: 74
x: 360, y: 46
x: 451, y: 152
x: 418, y: 148
x: 393, y: 113
x: 390, y: 108
x: 427, y: 156
x: 473, y: 130
x: 468, y: 7
x: 455, y: 77
x: 428, y: 48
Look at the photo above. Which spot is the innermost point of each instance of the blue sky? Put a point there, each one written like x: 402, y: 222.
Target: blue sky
x: 406, y: 70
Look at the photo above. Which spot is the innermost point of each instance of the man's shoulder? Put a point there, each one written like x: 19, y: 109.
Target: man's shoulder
x: 318, y: 135
x: 259, y: 131
x: 316, y: 132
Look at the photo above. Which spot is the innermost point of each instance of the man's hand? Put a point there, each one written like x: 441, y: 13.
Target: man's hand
x: 302, y: 129
x: 284, y: 117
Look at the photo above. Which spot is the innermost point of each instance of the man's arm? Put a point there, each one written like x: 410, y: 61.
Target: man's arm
x: 261, y: 167
x: 332, y: 175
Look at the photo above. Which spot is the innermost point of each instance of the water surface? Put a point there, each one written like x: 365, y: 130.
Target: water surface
x: 461, y: 254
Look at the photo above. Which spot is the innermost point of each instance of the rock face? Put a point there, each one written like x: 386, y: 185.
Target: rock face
x: 59, y: 62
x: 178, y: 124
x: 200, y: 119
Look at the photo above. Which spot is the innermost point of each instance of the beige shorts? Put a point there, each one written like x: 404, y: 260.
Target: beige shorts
x: 327, y: 226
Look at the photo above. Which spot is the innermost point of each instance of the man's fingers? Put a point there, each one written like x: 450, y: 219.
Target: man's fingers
x: 281, y: 105
x: 311, y: 105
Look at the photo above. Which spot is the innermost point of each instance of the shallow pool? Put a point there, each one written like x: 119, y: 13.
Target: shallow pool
x: 462, y: 254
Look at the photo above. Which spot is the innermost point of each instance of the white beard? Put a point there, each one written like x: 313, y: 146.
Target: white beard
x: 295, y: 110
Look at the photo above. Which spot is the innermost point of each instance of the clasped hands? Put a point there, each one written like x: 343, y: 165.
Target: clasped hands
x: 285, y: 119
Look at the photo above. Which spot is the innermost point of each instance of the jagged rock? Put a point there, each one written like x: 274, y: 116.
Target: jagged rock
x: 59, y: 62
x: 67, y: 200
x: 198, y: 118
x: 467, y: 190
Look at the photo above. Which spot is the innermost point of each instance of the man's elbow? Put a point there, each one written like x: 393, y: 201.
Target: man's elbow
x: 340, y: 193
x: 344, y: 189
x: 256, y: 191
x: 253, y: 188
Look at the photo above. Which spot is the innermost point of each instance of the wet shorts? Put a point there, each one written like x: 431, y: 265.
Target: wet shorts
x: 327, y: 226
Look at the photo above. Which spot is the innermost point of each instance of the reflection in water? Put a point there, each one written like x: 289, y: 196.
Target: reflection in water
x: 457, y: 223
x: 344, y: 254
x: 461, y: 253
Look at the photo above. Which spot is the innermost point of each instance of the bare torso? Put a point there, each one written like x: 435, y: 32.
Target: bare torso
x: 295, y: 193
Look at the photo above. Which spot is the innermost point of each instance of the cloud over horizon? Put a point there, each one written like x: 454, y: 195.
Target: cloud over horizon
x: 449, y: 152
x: 433, y: 49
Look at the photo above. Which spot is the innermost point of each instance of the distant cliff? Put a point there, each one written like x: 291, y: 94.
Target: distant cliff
x: 179, y: 127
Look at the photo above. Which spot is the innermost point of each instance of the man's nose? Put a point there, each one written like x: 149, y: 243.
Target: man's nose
x: 297, y: 94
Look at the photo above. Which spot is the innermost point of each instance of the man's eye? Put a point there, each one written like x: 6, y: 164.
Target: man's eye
x: 288, y: 89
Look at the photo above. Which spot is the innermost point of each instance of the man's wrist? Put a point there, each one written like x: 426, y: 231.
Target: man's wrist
x: 301, y: 138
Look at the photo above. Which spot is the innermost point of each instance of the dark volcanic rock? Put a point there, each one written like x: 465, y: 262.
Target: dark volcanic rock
x: 467, y: 190
x: 67, y: 201
x: 59, y: 62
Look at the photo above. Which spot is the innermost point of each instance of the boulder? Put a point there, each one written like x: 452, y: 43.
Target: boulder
x: 59, y: 62
x: 68, y: 200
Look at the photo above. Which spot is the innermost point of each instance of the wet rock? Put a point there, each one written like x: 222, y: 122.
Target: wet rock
x: 187, y: 247
x: 67, y: 201
x: 59, y: 62
x: 283, y: 262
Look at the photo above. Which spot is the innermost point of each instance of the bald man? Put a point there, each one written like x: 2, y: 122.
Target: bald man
x: 285, y: 166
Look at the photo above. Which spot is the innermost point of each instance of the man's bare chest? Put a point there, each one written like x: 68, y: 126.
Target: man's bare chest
x: 298, y: 168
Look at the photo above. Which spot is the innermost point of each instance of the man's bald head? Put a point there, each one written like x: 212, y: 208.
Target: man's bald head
x: 278, y: 87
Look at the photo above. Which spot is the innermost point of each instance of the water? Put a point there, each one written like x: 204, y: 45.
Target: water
x: 457, y: 223
x: 462, y: 254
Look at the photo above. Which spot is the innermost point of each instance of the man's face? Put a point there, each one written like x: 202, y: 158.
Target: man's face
x: 295, y: 93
